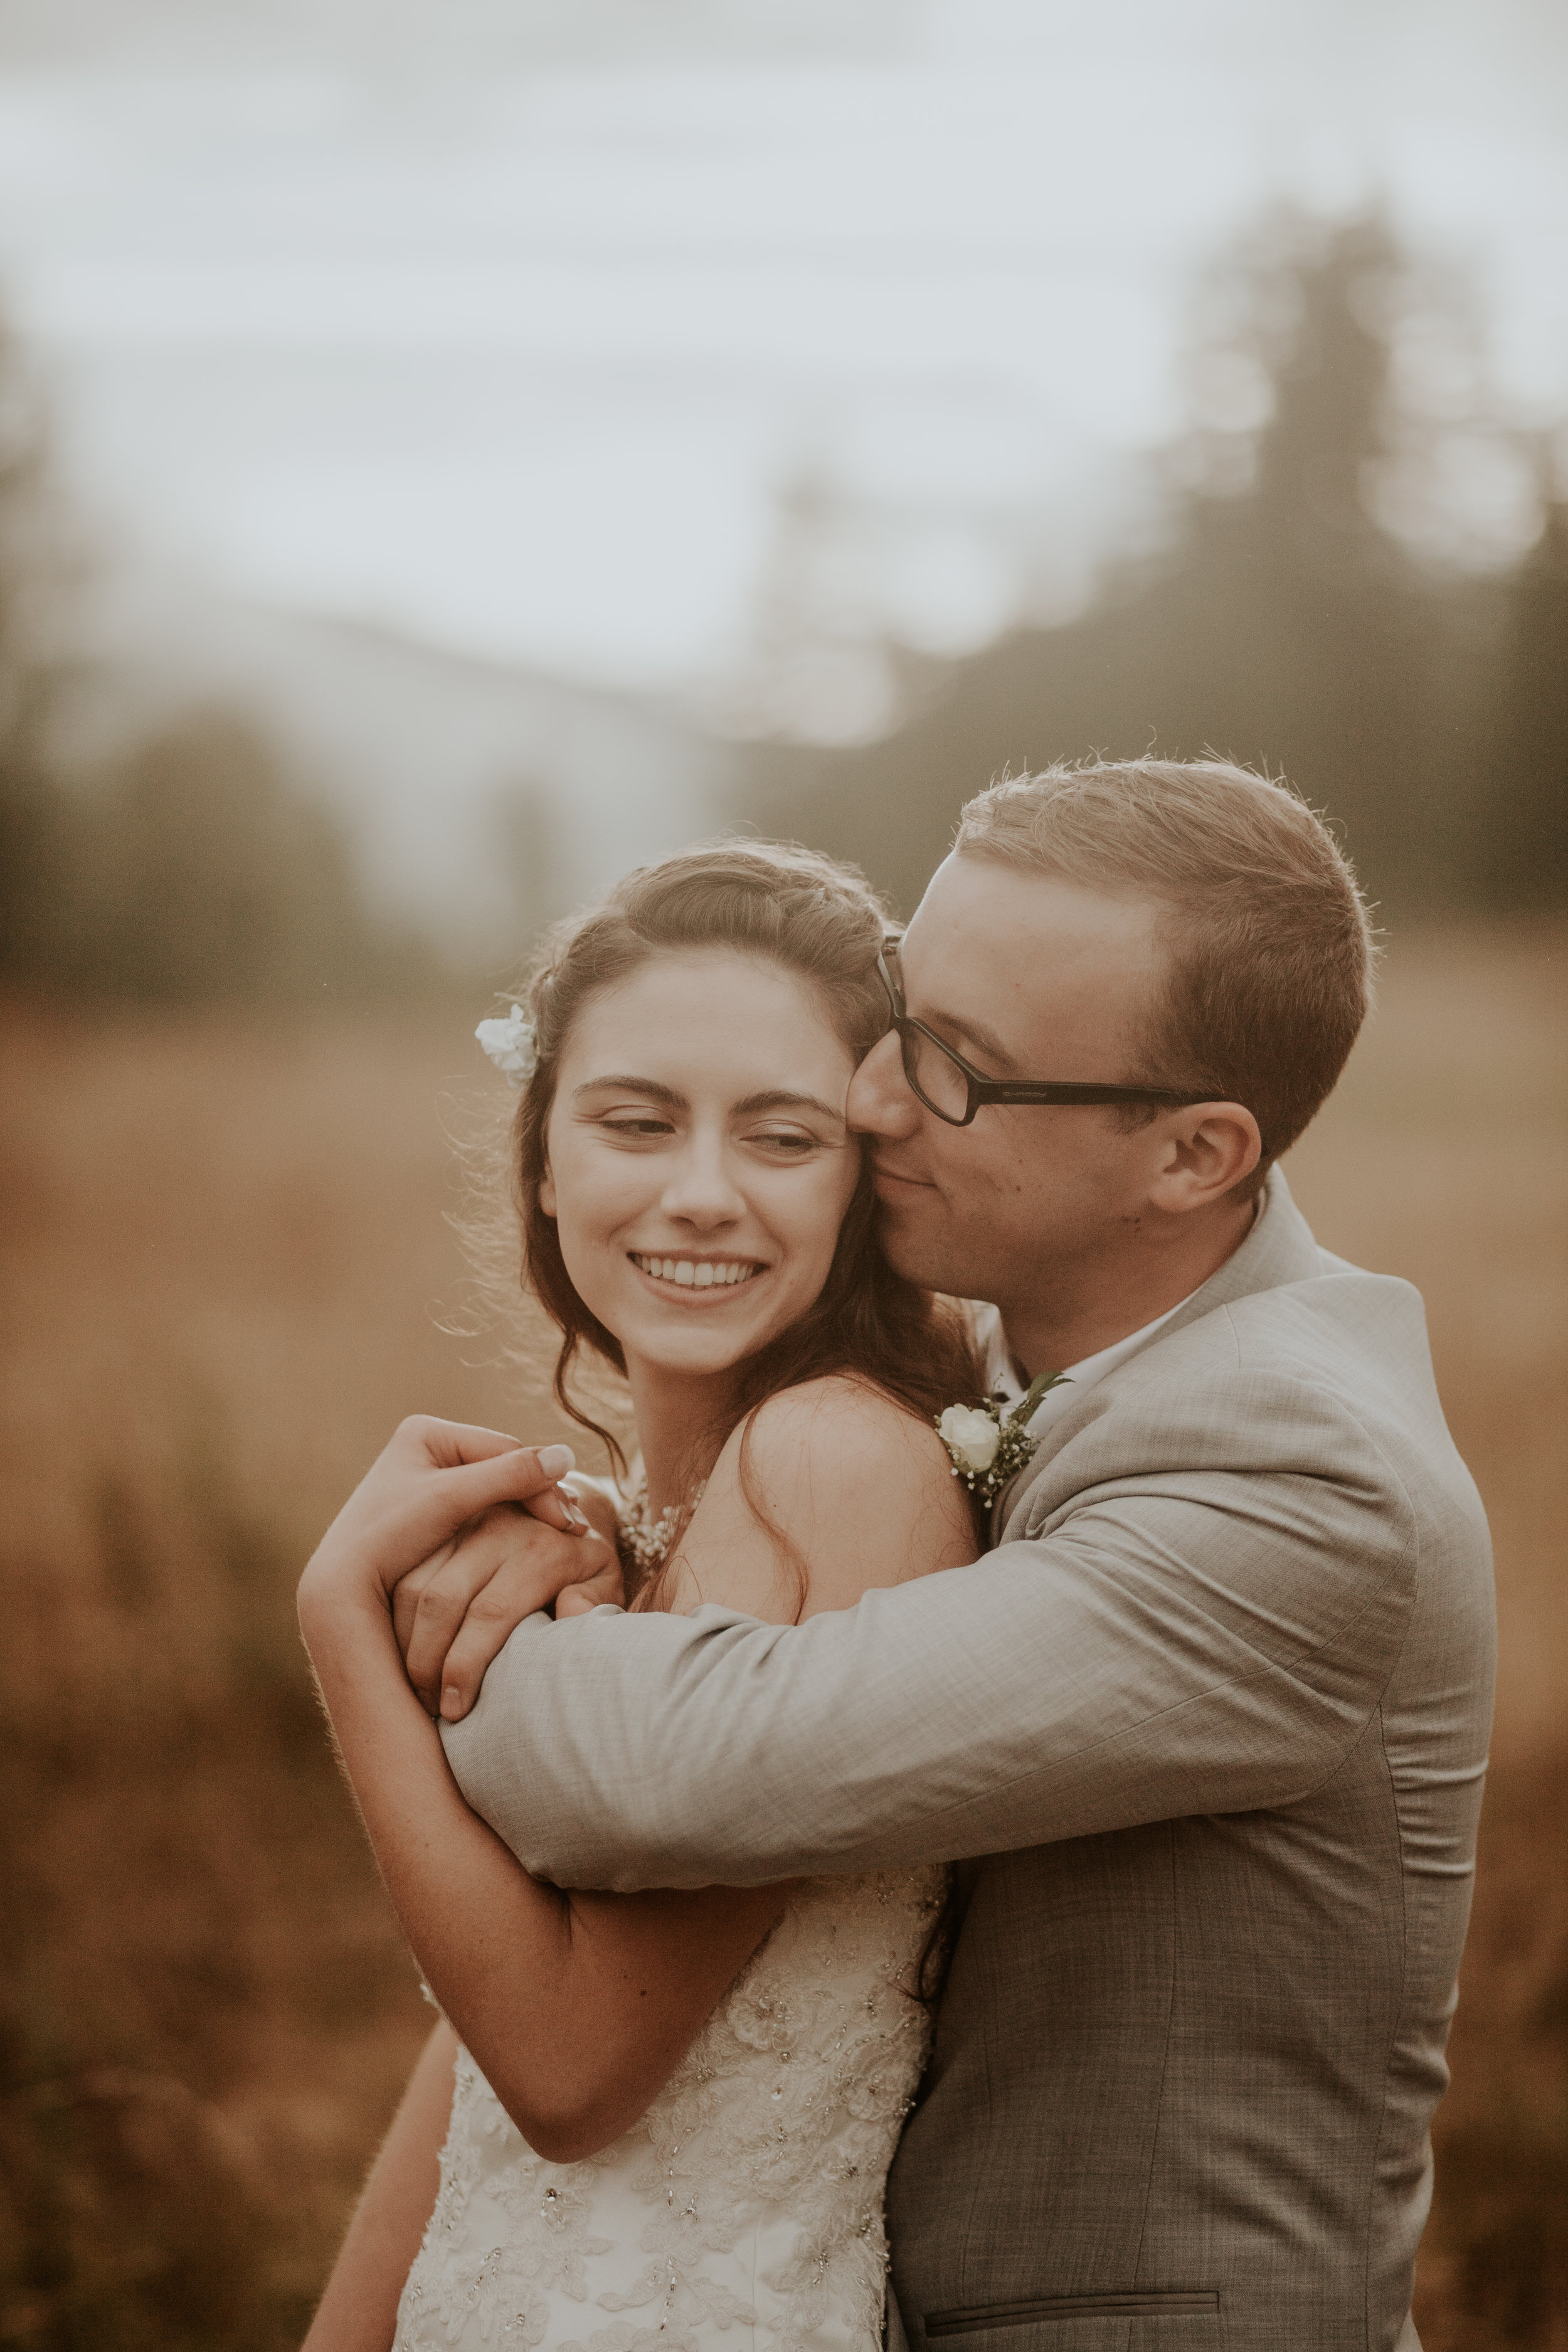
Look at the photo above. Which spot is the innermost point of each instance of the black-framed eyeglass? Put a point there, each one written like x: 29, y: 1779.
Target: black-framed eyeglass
x: 953, y: 1090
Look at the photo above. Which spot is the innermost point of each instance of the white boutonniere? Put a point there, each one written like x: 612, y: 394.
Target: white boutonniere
x: 989, y: 1446
x: 512, y: 1045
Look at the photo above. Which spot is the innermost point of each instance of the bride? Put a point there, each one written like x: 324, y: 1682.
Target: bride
x: 647, y: 2123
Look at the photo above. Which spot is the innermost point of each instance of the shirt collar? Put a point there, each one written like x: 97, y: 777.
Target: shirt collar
x: 1001, y: 1378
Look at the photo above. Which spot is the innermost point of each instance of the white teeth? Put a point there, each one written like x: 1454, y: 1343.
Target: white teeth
x: 692, y: 1274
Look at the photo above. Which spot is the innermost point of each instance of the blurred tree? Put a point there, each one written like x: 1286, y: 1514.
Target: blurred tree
x: 1281, y: 626
x: 197, y: 871
x: 192, y: 867
x: 1522, y: 823
x: 33, y: 566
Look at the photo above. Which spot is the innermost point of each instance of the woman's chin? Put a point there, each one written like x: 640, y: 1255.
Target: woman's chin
x: 694, y: 1345
x: 693, y: 1354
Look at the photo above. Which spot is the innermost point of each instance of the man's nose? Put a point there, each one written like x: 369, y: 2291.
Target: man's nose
x: 880, y: 1101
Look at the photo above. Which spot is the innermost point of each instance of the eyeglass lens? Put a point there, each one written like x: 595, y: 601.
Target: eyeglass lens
x: 940, y: 1084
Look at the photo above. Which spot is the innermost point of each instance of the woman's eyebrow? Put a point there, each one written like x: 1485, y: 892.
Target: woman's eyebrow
x: 783, y: 1099
x: 631, y: 1085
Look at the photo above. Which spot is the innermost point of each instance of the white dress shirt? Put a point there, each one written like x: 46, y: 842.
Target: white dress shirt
x: 1002, y: 1380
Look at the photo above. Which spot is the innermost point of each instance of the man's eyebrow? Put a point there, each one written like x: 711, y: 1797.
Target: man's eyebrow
x: 972, y: 1032
x: 630, y: 1084
x: 784, y: 1098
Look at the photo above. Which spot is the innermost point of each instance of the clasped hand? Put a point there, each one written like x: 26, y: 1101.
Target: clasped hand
x: 464, y: 1533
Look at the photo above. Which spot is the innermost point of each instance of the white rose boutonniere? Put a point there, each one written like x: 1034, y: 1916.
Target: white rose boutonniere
x: 971, y: 1435
x: 987, y: 1446
x: 512, y: 1045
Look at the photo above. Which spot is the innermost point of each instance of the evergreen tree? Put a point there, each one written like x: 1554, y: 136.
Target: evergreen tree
x: 1281, y: 626
x: 191, y: 867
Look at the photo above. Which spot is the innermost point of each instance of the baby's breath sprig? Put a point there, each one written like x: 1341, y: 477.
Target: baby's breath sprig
x: 988, y: 1446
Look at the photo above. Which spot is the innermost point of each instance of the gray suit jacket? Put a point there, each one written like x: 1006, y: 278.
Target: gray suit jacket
x: 1208, y: 1728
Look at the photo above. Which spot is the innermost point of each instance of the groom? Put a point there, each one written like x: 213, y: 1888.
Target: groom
x: 1205, y: 1730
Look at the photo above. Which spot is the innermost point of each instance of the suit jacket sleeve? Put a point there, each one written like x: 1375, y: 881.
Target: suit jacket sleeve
x: 1147, y: 1644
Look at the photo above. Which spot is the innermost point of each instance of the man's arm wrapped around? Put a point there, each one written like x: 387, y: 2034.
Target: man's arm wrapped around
x: 1204, y: 1596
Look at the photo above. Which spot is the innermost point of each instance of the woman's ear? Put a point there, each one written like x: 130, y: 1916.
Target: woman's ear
x: 547, y: 1192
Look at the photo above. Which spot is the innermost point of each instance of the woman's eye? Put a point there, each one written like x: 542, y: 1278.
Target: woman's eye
x: 638, y: 1130
x: 787, y: 1143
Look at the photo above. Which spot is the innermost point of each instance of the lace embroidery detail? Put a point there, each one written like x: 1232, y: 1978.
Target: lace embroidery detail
x: 748, y: 2198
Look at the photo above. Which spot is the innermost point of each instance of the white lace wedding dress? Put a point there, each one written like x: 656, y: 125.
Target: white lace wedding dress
x: 744, y: 2211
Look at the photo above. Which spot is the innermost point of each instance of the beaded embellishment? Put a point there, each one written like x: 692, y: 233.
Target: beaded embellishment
x: 644, y: 1541
x: 745, y: 2209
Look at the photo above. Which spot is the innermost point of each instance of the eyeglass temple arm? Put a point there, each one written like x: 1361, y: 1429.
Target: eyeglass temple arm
x: 1070, y: 1090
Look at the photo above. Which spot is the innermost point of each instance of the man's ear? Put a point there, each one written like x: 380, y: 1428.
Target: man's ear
x: 1210, y: 1149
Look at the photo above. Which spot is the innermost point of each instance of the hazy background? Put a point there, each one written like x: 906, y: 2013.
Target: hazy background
x: 448, y: 454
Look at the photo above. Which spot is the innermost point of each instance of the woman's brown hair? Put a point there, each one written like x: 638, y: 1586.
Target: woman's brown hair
x: 823, y: 922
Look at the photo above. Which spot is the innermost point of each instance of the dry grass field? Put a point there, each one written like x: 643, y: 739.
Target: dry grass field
x: 222, y: 1247
x: 1443, y: 1157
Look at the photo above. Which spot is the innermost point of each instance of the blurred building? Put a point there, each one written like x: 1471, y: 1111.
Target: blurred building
x: 477, y: 799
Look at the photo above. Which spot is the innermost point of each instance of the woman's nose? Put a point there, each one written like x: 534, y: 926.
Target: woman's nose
x: 880, y: 1101
x: 702, y: 1190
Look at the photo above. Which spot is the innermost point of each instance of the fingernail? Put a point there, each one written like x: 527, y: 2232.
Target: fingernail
x: 556, y: 1460
x: 577, y: 1524
x: 451, y: 1704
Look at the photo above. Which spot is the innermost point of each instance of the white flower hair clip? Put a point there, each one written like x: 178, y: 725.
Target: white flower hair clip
x: 512, y: 1045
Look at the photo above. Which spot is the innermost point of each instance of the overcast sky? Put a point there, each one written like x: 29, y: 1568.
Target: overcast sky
x: 505, y: 323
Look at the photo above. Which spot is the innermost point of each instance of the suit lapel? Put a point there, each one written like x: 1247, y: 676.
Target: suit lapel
x: 1278, y: 1250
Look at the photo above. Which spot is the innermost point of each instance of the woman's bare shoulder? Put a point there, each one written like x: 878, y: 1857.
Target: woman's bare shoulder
x: 841, y: 1427
x: 838, y: 1483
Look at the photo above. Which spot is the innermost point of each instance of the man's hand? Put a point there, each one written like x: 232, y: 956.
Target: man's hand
x: 455, y: 1612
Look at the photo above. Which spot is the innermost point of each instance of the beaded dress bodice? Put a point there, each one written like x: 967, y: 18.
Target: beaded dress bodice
x: 745, y: 2207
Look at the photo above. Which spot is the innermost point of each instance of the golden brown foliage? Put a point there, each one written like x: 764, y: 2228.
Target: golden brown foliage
x: 222, y: 1244
x: 1445, y: 1158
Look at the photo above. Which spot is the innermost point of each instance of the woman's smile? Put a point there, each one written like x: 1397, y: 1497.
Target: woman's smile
x: 681, y: 1272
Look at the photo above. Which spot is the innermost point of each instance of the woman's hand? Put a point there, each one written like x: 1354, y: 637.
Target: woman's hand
x: 431, y: 1482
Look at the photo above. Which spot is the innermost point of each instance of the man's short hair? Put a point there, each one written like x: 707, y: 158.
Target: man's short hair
x: 1271, y: 950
